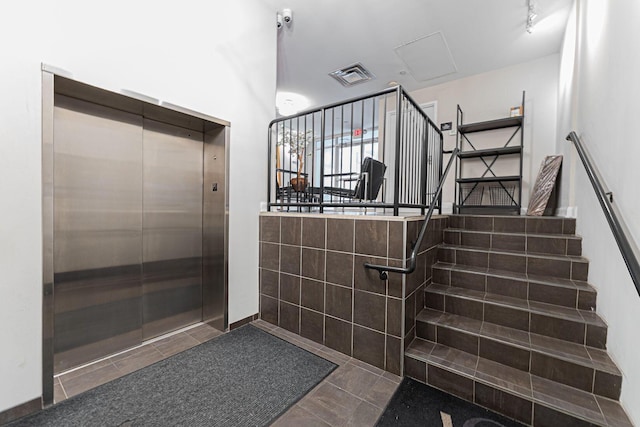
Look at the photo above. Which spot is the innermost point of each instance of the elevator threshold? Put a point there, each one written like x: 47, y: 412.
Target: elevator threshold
x: 134, y: 358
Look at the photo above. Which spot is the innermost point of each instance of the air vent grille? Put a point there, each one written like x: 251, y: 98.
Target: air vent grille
x: 352, y: 75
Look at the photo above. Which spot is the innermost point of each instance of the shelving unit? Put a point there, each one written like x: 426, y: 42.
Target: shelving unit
x: 489, y: 192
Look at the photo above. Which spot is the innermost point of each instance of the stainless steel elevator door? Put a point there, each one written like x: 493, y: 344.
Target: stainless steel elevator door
x: 172, y: 227
x: 97, y: 231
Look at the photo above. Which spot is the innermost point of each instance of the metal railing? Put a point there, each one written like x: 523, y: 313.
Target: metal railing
x: 379, y: 151
x: 627, y: 247
x: 384, y: 270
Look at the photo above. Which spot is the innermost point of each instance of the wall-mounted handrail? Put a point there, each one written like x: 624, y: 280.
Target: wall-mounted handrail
x: 619, y: 229
x: 385, y: 269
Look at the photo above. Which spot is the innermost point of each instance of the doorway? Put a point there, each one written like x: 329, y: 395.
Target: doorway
x: 135, y: 226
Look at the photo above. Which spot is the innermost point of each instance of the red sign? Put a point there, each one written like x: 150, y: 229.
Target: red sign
x: 357, y: 132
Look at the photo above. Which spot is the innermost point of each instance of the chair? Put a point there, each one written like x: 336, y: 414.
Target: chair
x: 368, y: 182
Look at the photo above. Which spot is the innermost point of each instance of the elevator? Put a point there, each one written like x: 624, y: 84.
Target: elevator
x: 135, y: 223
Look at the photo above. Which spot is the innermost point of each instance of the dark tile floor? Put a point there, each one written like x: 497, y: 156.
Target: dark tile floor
x: 355, y: 394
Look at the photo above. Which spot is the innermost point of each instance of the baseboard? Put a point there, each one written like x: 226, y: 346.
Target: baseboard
x: 567, y: 212
x: 243, y: 322
x: 27, y: 408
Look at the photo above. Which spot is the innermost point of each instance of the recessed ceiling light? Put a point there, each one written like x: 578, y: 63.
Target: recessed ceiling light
x: 289, y: 103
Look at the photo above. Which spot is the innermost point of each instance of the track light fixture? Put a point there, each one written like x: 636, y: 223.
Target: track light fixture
x: 531, y: 16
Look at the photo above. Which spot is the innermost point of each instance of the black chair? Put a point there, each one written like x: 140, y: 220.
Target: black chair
x: 368, y: 182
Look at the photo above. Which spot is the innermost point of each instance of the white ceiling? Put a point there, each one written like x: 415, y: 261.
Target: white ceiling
x: 482, y: 35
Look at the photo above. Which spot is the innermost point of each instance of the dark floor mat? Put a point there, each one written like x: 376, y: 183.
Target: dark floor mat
x: 417, y: 404
x: 244, y: 378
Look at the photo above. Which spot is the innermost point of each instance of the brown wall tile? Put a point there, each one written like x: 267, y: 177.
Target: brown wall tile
x: 290, y: 259
x: 270, y: 256
x: 366, y: 279
x: 269, y: 282
x: 586, y: 300
x: 549, y: 267
x: 441, y: 276
x: 312, y: 325
x: 509, y: 225
x: 596, y: 336
x: 340, y: 268
x: 546, y: 417
x: 460, y: 340
x: 396, y: 239
x: 569, y: 226
x: 270, y: 229
x: 574, y: 247
x: 338, y: 302
x: 507, y: 355
x: 473, y: 258
x: 557, y: 328
x: 579, y: 270
x: 508, y: 242
x: 369, y: 346
x: 313, y: 263
x: 269, y: 309
x: 369, y: 310
x: 393, y: 355
x: 468, y: 280
x: 463, y: 307
x: 337, y: 335
x: 434, y: 300
x: 544, y: 225
x: 371, y: 237
x: 340, y: 234
x: 553, y: 294
x: 506, y: 286
x: 290, y: 288
x: 516, y: 263
x: 291, y: 230
x: 562, y: 371
x: 394, y: 317
x: 478, y: 240
x: 506, y: 316
x: 607, y: 385
x: 313, y: 232
x: 415, y: 369
x: 504, y: 403
x: 480, y: 223
x: 447, y: 255
x: 451, y: 383
x: 547, y: 245
x: 312, y: 295
x: 289, y: 317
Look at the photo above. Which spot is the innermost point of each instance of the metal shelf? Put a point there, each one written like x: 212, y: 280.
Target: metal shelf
x: 490, y: 152
x: 507, y: 122
x: 490, y: 179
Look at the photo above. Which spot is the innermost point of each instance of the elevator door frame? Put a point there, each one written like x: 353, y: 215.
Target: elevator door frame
x: 216, y: 171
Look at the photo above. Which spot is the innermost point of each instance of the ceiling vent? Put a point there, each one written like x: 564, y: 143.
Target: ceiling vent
x: 352, y: 75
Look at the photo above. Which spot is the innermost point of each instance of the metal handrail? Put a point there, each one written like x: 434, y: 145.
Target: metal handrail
x: 629, y: 250
x: 385, y: 269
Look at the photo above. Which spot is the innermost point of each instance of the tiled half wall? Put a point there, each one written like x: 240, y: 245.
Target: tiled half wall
x: 313, y: 281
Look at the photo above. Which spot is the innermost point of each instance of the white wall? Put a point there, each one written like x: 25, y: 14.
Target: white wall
x: 599, y: 88
x: 490, y: 95
x: 188, y: 53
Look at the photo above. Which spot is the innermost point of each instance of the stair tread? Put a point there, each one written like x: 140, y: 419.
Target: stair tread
x: 572, y: 352
x: 535, y: 278
x: 578, y: 403
x: 576, y: 315
x: 573, y: 258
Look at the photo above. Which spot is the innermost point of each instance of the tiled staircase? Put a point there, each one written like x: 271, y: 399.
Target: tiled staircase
x: 509, y: 324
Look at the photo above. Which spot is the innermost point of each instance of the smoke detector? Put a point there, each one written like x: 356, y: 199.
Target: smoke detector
x: 352, y: 75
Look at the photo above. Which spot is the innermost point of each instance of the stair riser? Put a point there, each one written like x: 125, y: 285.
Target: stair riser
x: 523, y: 289
x: 525, y: 263
x: 514, y: 224
x: 522, y: 319
x: 543, y: 365
x: 551, y: 245
x: 508, y: 404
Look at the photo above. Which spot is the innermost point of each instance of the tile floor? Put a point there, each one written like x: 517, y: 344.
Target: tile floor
x: 355, y: 394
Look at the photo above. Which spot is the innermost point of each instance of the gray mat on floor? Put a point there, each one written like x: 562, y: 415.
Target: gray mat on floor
x: 244, y: 378
x: 417, y: 404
